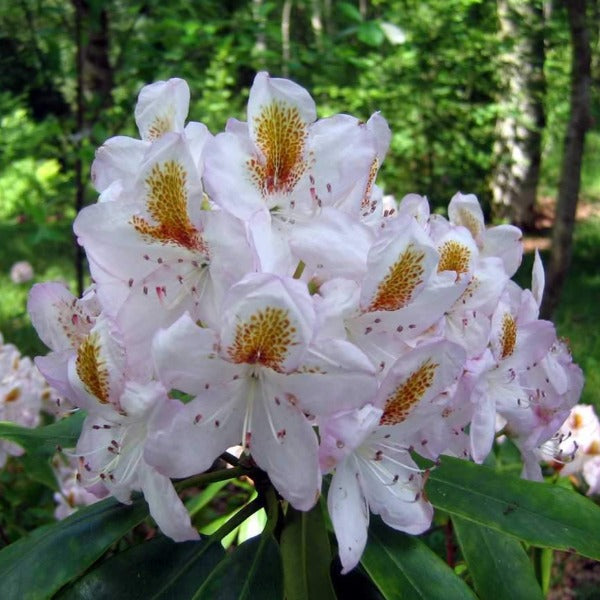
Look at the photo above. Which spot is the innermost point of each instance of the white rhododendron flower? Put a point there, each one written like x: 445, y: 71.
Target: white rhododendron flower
x: 255, y: 288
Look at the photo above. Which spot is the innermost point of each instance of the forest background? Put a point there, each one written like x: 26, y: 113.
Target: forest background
x: 492, y: 97
x: 478, y: 93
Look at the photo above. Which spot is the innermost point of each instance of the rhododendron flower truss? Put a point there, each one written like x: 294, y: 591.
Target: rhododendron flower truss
x: 255, y: 288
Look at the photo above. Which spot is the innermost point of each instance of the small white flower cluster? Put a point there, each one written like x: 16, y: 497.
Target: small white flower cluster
x: 579, y: 446
x: 21, y: 272
x: 23, y: 392
x: 322, y: 326
x: 24, y: 396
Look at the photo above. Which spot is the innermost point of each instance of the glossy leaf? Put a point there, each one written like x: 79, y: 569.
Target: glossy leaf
x: 498, y: 564
x: 38, y: 469
x: 155, y: 570
x: 402, y: 567
x: 252, y: 572
x: 40, y: 564
x: 538, y: 513
x: 45, y: 440
x: 306, y: 556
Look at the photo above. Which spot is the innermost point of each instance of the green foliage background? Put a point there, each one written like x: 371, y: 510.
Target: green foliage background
x: 431, y: 68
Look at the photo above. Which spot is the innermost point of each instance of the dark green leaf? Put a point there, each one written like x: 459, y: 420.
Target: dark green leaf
x: 306, y: 556
x: 38, y: 469
x: 538, y: 513
x: 497, y: 562
x: 40, y: 564
x: 45, y: 440
x: 402, y: 567
x: 159, y: 569
x: 252, y: 572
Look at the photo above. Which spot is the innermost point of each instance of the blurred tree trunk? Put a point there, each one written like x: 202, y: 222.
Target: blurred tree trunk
x: 94, y: 86
x: 519, y: 128
x: 286, y: 12
x: 570, y: 179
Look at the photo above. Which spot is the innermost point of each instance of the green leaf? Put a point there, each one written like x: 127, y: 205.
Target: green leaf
x: 252, y: 572
x: 197, y: 503
x: 38, y: 469
x: 497, y: 562
x: 371, y: 33
x: 403, y: 567
x: 306, y: 556
x: 45, y: 440
x: 349, y: 11
x: 539, y: 513
x: 158, y: 569
x: 40, y: 564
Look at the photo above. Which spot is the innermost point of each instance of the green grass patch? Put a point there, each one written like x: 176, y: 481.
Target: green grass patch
x: 578, y: 315
x: 50, y: 250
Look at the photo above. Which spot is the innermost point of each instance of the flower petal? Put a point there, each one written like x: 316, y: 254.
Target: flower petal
x: 349, y: 513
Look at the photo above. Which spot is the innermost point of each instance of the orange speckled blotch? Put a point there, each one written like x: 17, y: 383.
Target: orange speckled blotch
x: 400, y: 403
x: 92, y: 370
x: 396, y: 289
x: 263, y: 339
x: 167, y: 204
x: 281, y: 137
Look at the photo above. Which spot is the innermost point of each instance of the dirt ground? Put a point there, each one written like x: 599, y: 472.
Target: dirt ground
x: 544, y: 220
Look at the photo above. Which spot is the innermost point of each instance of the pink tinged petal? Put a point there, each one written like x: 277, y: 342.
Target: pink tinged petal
x: 537, y: 279
x: 231, y: 254
x: 166, y: 507
x: 344, y: 166
x: 115, y: 191
x: 398, y: 265
x: 336, y: 301
x: 416, y: 207
x: 343, y: 432
x: 186, y: 439
x: 349, y: 513
x: 393, y: 488
x: 333, y: 244
x: 197, y: 136
x: 139, y: 400
x: 164, y: 297
x: 465, y: 210
x: 162, y: 107
x: 470, y: 329
x: 226, y: 173
x: 382, y: 134
x: 417, y: 378
x: 284, y: 444
x: 531, y: 466
x: 54, y: 368
x: 117, y: 160
x: 186, y: 357
x: 504, y: 241
x: 485, y: 287
x: 483, y: 426
x: 591, y: 474
x: 268, y: 321
x: 61, y: 320
x: 270, y: 243
x: 334, y: 376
